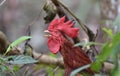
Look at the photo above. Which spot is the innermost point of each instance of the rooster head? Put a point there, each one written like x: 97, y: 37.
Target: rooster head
x: 56, y: 29
x: 65, y: 27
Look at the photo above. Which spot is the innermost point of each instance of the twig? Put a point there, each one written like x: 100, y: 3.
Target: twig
x: 9, y: 69
x: 60, y: 11
x: 26, y: 71
x: 77, y: 19
x: 83, y: 26
x: 35, y: 19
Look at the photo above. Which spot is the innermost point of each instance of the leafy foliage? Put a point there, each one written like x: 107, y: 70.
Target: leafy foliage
x: 116, y: 72
x: 20, y: 59
x: 109, y: 49
x: 96, y: 66
x: 108, y: 31
x: 87, y: 44
x: 16, y: 42
x: 15, y: 68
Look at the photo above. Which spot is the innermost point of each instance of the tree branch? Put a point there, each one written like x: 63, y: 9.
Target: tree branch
x: 42, y: 58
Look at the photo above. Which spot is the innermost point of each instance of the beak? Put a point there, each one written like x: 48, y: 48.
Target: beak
x: 48, y: 33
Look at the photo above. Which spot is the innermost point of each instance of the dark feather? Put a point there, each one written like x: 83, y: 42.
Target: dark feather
x: 74, y: 57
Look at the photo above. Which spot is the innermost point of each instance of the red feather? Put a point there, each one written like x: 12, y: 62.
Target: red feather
x: 73, y: 57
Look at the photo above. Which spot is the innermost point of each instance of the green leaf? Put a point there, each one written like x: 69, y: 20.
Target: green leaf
x: 21, y: 59
x: 79, y: 70
x: 106, y: 51
x: 16, y: 42
x: 109, y: 48
x: 116, y: 72
x: 108, y: 31
x: 87, y: 44
x: 96, y: 66
x: 15, y: 68
x: 49, y: 70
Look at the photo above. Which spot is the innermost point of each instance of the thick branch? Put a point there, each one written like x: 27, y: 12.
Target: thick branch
x: 42, y: 58
x: 59, y: 61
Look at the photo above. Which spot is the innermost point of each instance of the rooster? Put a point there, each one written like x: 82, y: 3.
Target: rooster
x: 59, y: 40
